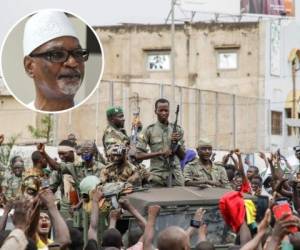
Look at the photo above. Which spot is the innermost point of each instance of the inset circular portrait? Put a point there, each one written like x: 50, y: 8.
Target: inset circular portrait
x: 51, y: 61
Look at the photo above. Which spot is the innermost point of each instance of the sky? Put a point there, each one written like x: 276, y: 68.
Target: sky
x: 95, y: 12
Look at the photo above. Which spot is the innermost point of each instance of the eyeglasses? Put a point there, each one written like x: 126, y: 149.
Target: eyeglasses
x: 61, y: 56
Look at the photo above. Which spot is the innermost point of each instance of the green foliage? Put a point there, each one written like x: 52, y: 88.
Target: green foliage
x: 45, y: 130
x: 6, y: 148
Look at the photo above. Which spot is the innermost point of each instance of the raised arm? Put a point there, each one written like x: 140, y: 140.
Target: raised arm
x: 96, y: 197
x: 61, y: 231
x: 126, y: 205
x: 52, y: 163
x: 153, y: 212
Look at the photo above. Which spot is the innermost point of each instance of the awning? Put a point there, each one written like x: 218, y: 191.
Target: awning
x: 293, y: 122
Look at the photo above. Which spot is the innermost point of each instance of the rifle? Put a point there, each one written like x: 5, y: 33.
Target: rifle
x: 174, y: 147
x: 98, y: 155
x: 134, y: 135
x: 135, y: 127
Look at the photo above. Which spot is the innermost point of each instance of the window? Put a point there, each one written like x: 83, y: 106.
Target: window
x: 276, y: 123
x: 227, y: 60
x: 158, y: 61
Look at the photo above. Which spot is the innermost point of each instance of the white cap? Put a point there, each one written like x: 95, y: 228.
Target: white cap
x: 44, y: 26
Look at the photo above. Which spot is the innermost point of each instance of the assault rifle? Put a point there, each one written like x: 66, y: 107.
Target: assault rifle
x: 174, y: 147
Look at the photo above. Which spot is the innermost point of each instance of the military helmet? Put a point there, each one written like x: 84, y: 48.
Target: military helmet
x: 117, y: 149
x: 31, y: 182
x: 88, y: 184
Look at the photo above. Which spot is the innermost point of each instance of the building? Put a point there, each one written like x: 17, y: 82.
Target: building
x: 282, y: 37
x: 219, y: 71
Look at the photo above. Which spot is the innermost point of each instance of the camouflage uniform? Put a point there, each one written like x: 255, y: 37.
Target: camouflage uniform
x: 196, y: 171
x: 114, y: 136
x: 57, y: 181
x: 83, y: 171
x: 2, y: 174
x: 158, y: 137
x: 13, y: 186
x: 113, y: 173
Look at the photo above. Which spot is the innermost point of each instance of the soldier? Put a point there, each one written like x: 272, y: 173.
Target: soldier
x: 89, y: 165
x: 39, y: 164
x: 202, y: 170
x: 119, y: 169
x: 115, y: 132
x: 159, y: 136
x: 11, y: 186
x: 65, y: 175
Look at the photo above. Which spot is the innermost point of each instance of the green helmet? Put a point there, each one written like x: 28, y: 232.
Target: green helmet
x: 88, y: 184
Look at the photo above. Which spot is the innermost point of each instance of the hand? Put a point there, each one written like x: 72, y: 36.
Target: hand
x: 237, y: 152
x: 214, y: 183
x: 263, y: 225
x: 20, y: 217
x: 8, y: 206
x: 175, y: 137
x: 153, y: 210
x: 124, y: 203
x: 97, y: 195
x: 47, y: 197
x: 115, y: 214
x: 199, y: 214
x: 1, y: 138
x: 281, y: 227
x: 134, y: 178
x: 262, y: 155
x: 41, y: 147
x: 167, y: 152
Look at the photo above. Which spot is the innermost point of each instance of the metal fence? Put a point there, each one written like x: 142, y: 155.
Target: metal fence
x: 229, y: 121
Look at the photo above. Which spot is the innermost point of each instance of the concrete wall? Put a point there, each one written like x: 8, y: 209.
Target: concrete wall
x: 126, y: 49
x: 15, y: 119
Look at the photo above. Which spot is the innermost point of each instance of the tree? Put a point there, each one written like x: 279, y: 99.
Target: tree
x: 5, y: 149
x: 45, y: 129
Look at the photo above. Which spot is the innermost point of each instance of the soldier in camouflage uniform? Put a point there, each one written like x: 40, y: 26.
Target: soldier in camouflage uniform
x: 202, y: 171
x: 119, y: 169
x: 115, y: 132
x: 64, y: 176
x: 89, y: 165
x: 11, y: 185
x: 158, y: 137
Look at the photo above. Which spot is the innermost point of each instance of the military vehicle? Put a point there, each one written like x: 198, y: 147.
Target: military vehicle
x: 178, y: 206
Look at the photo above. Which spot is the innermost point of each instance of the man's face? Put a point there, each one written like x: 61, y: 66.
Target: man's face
x: 250, y: 172
x: 18, y: 168
x: 117, y: 159
x: 87, y: 152
x: 43, y: 162
x: 56, y: 80
x: 44, y: 224
x: 204, y: 152
x: 162, y: 111
x: 237, y: 182
x: 72, y: 138
x: 118, y: 120
x: 66, y: 156
x: 256, y: 186
x: 297, y: 154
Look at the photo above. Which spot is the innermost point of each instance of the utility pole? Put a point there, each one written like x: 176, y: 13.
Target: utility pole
x: 173, y: 2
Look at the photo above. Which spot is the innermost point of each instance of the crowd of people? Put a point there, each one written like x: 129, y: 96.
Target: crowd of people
x: 79, y: 200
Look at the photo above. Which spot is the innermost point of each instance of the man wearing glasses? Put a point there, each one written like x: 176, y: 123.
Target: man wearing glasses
x: 54, y: 59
